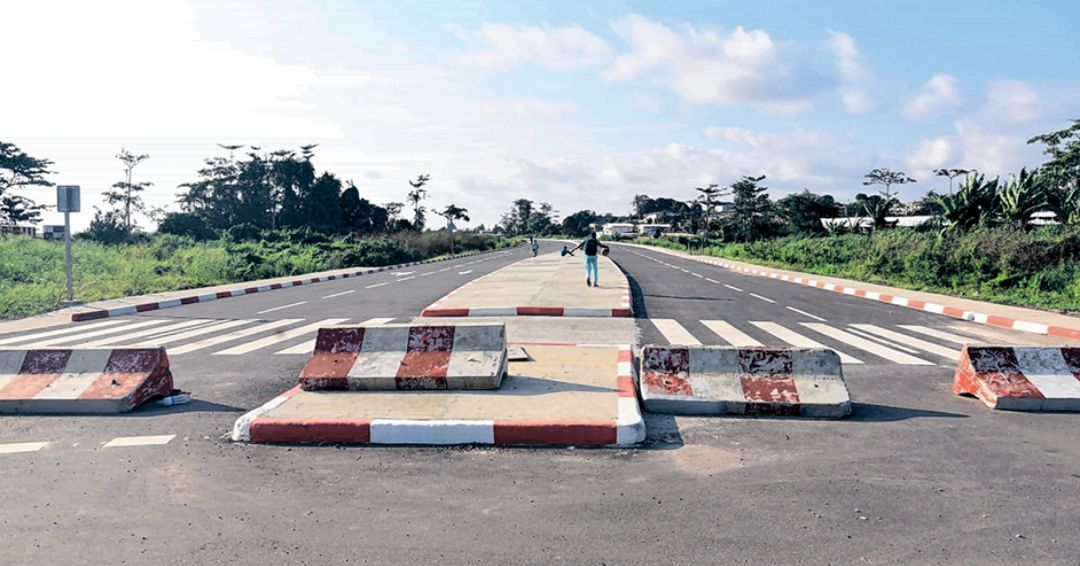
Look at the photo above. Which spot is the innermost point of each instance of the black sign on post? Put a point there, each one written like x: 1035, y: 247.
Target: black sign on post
x: 67, y: 201
x: 67, y: 198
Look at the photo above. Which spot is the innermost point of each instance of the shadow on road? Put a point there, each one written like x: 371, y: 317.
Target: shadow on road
x: 872, y: 413
x: 636, y: 296
x: 662, y: 433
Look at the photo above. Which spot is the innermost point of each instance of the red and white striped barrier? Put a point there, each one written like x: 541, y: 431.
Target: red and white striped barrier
x: 239, y: 292
x: 954, y: 312
x: 627, y: 429
x: 82, y: 381
x: 623, y: 311
x: 716, y: 380
x: 1020, y: 379
x: 463, y: 356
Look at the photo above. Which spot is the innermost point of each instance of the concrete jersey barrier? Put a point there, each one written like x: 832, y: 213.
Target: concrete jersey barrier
x: 1021, y: 379
x: 98, y: 380
x: 403, y: 357
x: 716, y: 380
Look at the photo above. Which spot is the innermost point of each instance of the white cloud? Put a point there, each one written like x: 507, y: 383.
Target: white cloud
x: 502, y: 46
x: 853, y: 72
x: 930, y: 154
x: 712, y: 66
x: 1012, y: 101
x: 939, y: 95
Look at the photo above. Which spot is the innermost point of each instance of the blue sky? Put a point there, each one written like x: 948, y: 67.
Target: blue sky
x: 576, y: 103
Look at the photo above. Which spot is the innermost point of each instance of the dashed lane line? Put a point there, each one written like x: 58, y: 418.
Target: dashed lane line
x: 804, y: 313
x: 282, y: 307
x: 766, y: 299
x: 340, y: 294
x: 733, y: 288
x: 122, y: 441
x: 377, y: 285
x: 19, y: 447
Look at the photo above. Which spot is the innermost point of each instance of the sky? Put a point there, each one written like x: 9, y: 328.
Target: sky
x: 580, y: 104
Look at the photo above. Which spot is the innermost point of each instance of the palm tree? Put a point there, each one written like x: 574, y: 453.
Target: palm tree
x: 452, y: 213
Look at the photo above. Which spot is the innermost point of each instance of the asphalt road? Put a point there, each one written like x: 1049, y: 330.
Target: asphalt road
x: 917, y: 476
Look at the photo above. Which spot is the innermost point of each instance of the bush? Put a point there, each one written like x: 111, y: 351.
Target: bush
x: 187, y: 224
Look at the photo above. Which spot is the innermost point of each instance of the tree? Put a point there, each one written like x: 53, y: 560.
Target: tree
x: 518, y: 220
x: 19, y: 170
x: 415, y: 197
x: 952, y: 174
x: 186, y: 224
x: 579, y: 224
x: 708, y: 199
x: 878, y: 209
x: 803, y: 212
x: 107, y: 228
x: 752, y: 219
x: 1021, y: 197
x: 1062, y: 172
x: 452, y: 213
x: 973, y: 204
x: 126, y: 193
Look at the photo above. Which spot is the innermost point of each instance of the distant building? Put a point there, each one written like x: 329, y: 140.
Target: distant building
x: 618, y: 229
x: 725, y: 209
x: 52, y: 232
x: 18, y: 230
x: 653, y: 229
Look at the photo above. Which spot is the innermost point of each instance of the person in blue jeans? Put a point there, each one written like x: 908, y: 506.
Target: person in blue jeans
x: 592, y: 268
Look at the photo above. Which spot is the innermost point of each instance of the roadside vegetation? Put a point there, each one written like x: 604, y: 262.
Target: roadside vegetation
x: 32, y: 270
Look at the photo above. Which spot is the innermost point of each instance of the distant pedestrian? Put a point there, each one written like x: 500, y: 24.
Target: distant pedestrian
x: 592, y: 268
x: 565, y: 251
x: 535, y: 247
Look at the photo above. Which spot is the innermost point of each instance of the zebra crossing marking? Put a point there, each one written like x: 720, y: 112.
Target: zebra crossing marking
x: 279, y: 337
x: 114, y: 340
x: 732, y: 335
x: 78, y: 337
x: 881, y: 341
x: 170, y: 338
x: 935, y: 333
x: 800, y: 341
x: 215, y: 340
x: 674, y: 332
x: 850, y: 339
x: 942, y: 351
x: 309, y: 346
x: 66, y: 330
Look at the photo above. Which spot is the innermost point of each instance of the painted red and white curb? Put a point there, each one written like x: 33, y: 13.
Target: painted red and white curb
x: 627, y: 429
x: 624, y: 310
x: 239, y: 292
x: 892, y: 299
x: 1020, y: 379
x: 100, y: 380
x: 766, y: 380
x: 403, y: 357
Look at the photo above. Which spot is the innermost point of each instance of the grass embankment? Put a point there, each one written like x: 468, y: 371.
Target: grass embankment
x: 32, y: 271
x: 1039, y: 268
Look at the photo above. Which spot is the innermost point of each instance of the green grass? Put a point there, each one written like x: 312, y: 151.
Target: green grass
x: 32, y: 271
x: 1038, y: 268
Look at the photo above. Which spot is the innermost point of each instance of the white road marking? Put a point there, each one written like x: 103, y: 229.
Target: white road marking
x: 65, y: 330
x: 683, y: 270
x: 881, y: 340
x: 800, y: 341
x: 465, y: 272
x: 279, y: 337
x: 403, y: 273
x: 282, y: 307
x: 444, y: 269
x: 938, y: 334
x: 674, y: 332
x: 340, y: 294
x: 377, y: 285
x: 121, y: 441
x: 162, y: 340
x: 712, y: 280
x: 17, y: 447
x: 732, y: 287
x: 864, y: 344
x: 804, y: 313
x: 113, y: 340
x: 405, y: 279
x: 696, y: 275
x: 78, y: 337
x: 309, y: 346
x: 428, y: 273
x: 732, y: 335
x: 215, y: 340
x: 766, y: 299
x: 987, y: 334
x: 942, y: 351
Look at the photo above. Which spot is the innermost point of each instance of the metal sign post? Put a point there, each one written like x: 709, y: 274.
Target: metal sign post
x: 67, y: 201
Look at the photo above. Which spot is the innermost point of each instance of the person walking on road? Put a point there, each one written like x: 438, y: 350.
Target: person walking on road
x: 535, y: 247
x: 592, y: 268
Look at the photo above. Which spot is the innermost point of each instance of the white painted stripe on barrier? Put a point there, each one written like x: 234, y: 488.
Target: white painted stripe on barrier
x: 66, y: 330
x: 493, y: 311
x: 83, y: 368
x: 873, y: 295
x: 11, y: 362
x: 732, y: 335
x: 101, y: 332
x: 19, y: 447
x: 864, y: 344
x: 279, y: 337
x: 900, y: 301
x: 625, y: 368
x: 392, y: 431
x: 979, y: 317
x: 1047, y: 370
x: 795, y: 339
x: 674, y: 332
x: 934, y: 308
x: 207, y: 298
x: 215, y: 340
x: 1030, y: 327
x: 242, y: 428
x: 629, y: 424
x: 947, y: 353
x: 169, y: 303
x: 237, y: 293
x: 123, y: 441
x: 830, y: 286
